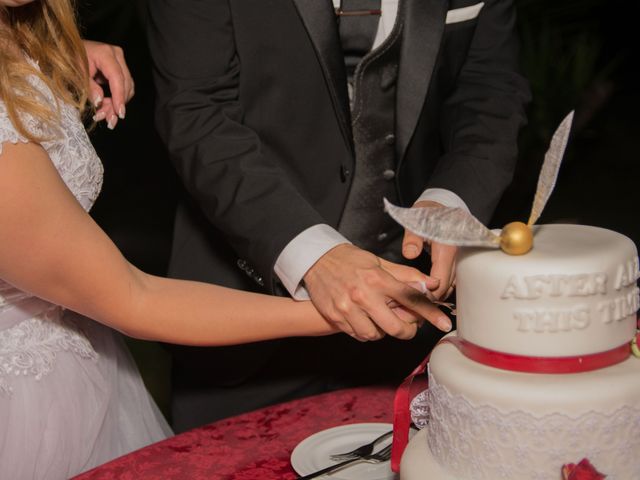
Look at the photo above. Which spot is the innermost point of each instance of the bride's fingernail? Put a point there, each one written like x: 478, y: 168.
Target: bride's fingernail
x: 111, y: 124
x: 98, y: 117
x: 445, y: 325
x: 97, y: 101
x: 122, y: 112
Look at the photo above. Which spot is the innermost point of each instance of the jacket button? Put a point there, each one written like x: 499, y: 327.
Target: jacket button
x: 390, y: 139
x: 388, y: 174
x: 345, y: 173
x: 382, y: 237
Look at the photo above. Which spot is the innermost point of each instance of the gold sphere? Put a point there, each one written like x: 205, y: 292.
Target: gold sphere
x: 516, y: 238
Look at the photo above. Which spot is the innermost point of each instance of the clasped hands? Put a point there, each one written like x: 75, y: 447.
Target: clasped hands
x: 361, y: 294
x: 368, y: 297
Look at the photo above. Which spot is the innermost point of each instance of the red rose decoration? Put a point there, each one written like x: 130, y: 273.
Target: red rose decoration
x: 582, y: 471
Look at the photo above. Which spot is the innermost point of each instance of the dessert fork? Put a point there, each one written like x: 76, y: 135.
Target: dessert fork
x: 378, y: 457
x: 360, y: 451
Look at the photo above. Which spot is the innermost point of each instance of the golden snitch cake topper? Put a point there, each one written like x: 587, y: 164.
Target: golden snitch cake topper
x: 454, y: 226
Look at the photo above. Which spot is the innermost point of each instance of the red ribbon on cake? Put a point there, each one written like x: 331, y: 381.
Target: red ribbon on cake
x: 529, y: 364
x: 401, y: 416
x: 504, y: 361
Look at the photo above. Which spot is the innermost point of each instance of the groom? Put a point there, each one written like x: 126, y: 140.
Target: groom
x: 288, y: 122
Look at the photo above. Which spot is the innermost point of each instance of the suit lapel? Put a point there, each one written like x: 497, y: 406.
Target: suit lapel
x: 319, y: 19
x: 423, y: 27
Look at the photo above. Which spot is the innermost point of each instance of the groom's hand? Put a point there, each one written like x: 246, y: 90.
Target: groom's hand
x: 368, y: 297
x: 443, y: 258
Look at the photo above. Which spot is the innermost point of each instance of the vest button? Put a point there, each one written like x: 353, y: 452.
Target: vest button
x: 390, y: 139
x: 345, y: 173
x: 388, y: 174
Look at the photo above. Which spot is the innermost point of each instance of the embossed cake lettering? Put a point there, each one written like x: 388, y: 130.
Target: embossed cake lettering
x: 551, y: 321
x: 627, y: 274
x: 620, y: 307
x: 536, y: 286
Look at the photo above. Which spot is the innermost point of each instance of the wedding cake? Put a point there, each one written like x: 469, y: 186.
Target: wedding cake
x: 539, y: 373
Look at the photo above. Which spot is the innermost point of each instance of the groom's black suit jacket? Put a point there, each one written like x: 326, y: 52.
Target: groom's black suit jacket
x: 253, y: 107
x: 252, y: 104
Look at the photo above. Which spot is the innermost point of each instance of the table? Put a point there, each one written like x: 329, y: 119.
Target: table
x: 255, y: 445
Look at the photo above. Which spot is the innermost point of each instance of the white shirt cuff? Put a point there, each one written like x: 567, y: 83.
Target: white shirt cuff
x: 443, y: 197
x: 301, y: 254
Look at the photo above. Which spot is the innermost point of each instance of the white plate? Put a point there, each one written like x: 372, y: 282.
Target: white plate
x: 313, y: 452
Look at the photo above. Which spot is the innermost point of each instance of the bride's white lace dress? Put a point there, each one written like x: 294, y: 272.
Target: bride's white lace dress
x: 71, y: 397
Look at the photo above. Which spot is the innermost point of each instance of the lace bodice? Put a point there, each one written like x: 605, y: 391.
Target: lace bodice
x: 31, y: 330
x: 69, y: 147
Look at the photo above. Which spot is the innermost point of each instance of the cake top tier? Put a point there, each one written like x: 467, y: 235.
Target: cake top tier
x: 575, y: 293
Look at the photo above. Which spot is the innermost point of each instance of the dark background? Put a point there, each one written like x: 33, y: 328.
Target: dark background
x: 577, y: 54
x: 581, y: 54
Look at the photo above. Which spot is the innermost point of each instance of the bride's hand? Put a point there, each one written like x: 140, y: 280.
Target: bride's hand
x: 108, y: 66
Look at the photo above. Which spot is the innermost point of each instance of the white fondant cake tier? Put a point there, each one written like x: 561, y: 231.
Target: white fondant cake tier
x: 418, y: 463
x: 573, y: 294
x: 486, y: 423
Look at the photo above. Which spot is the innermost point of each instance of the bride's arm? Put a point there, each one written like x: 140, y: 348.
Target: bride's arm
x: 50, y: 247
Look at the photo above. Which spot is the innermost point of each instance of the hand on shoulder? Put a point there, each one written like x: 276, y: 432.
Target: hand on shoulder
x: 107, y: 66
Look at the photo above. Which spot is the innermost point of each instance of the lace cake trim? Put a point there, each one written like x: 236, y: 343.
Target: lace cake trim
x: 480, y: 442
x: 30, y: 348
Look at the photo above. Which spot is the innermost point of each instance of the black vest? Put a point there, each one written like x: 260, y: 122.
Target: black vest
x: 373, y: 122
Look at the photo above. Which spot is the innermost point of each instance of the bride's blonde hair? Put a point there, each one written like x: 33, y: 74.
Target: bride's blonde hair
x: 44, y: 31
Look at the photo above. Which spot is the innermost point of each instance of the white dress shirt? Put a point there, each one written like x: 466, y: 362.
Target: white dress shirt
x: 303, y: 251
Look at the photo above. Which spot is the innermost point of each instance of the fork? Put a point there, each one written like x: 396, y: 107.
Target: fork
x: 360, y: 451
x: 378, y: 457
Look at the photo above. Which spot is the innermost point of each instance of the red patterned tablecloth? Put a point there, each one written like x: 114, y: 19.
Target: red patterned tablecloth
x: 252, y: 446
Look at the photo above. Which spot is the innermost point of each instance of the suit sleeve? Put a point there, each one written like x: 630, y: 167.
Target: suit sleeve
x: 482, y: 116
x: 199, y: 115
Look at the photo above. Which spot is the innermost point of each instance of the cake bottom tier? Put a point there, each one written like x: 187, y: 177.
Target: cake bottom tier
x: 419, y: 464
x: 484, y: 423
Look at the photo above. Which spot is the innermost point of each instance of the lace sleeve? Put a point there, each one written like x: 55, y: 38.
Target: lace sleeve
x: 8, y: 132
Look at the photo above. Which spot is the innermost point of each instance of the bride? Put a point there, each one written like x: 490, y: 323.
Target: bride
x: 70, y: 396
